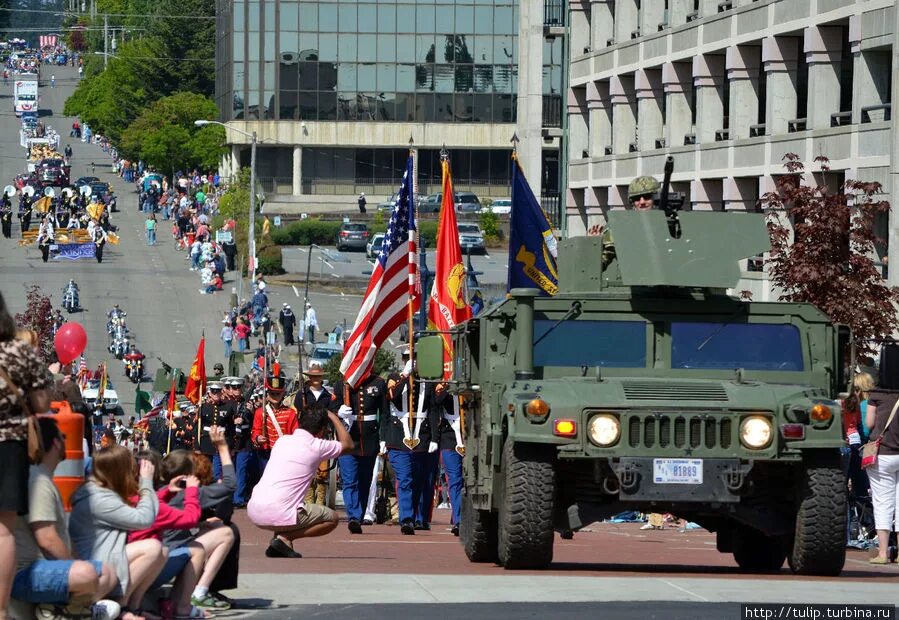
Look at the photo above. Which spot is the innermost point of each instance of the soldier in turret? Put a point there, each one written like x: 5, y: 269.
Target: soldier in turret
x: 641, y: 193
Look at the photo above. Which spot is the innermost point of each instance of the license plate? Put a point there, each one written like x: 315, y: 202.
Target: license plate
x: 677, y: 471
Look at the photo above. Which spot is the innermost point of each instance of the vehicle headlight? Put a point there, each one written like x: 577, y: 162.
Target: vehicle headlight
x: 756, y: 432
x: 604, y: 430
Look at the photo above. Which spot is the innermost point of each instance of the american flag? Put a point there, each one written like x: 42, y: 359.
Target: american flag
x: 48, y: 40
x: 393, y: 281
x: 83, y: 373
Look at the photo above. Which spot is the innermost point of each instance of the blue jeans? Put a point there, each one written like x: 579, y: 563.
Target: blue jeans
x: 452, y: 463
x: 151, y: 236
x: 403, y: 466
x: 227, y: 348
x: 355, y: 477
x: 174, y: 564
x: 216, y: 467
x: 244, y: 465
x: 424, y: 475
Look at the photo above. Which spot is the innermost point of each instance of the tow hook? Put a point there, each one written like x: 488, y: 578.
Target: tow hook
x: 734, y: 478
x: 629, y: 478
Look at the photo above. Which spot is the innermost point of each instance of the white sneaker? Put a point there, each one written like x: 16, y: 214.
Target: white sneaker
x: 105, y: 610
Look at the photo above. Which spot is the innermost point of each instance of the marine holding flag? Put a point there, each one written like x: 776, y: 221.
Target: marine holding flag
x: 532, y: 242
x: 447, y: 307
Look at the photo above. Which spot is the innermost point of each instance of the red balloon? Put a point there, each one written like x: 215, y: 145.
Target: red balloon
x: 70, y: 342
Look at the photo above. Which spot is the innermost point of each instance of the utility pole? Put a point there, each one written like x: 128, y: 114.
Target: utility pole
x: 105, y: 40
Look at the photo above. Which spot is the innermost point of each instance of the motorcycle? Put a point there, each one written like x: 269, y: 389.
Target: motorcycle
x: 119, y: 347
x: 134, y: 367
x: 70, y: 299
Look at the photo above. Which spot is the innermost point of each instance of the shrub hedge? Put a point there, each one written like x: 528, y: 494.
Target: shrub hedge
x: 319, y: 232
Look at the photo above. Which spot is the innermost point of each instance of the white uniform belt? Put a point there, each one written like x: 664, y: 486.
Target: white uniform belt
x: 364, y: 418
x: 450, y: 417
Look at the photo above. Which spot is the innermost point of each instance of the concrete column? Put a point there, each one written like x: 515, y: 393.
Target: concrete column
x: 706, y: 194
x: 602, y: 23
x: 297, y: 170
x: 893, y: 233
x: 823, y: 46
x: 600, y: 108
x: 677, y: 80
x: 618, y: 197
x: 708, y: 77
x: 678, y: 11
x: 871, y: 73
x: 708, y: 7
x: 743, y: 74
x: 580, y: 27
x: 652, y: 13
x: 624, y: 113
x: 530, y: 91
x: 235, y: 161
x: 739, y: 193
x: 578, y: 123
x: 626, y: 19
x: 780, y: 56
x: 650, y: 122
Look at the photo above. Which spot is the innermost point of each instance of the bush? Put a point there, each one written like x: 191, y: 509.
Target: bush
x: 269, y: 260
x: 490, y: 227
x: 307, y: 232
x: 385, y: 363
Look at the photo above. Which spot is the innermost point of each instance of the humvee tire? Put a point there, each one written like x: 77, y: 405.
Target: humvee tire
x: 819, y: 542
x: 478, y: 533
x: 755, y: 552
x: 526, y: 511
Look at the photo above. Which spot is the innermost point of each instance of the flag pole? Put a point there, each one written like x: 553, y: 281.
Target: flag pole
x: 199, y: 422
x: 171, y: 408
x: 411, y: 301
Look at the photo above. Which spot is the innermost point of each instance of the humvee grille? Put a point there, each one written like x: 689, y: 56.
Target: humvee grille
x: 657, y: 390
x: 682, y: 430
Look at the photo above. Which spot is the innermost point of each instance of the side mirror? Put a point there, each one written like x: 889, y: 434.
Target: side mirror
x: 429, y: 357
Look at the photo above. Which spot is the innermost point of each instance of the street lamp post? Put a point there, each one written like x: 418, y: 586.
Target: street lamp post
x: 251, y: 242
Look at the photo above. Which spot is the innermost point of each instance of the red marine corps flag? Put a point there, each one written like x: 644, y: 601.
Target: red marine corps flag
x: 447, y: 306
x: 196, y: 382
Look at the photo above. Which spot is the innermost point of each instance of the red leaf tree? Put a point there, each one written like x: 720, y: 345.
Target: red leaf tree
x: 827, y: 256
x: 38, y: 317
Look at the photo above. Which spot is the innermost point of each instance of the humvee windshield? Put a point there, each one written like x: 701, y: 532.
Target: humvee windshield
x: 727, y: 346
x: 615, y: 344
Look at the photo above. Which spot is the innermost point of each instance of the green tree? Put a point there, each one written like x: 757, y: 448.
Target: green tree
x: 385, y: 363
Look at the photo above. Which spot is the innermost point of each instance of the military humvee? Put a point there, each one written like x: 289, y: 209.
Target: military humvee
x: 646, y: 387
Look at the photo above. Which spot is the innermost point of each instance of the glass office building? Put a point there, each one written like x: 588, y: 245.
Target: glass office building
x: 414, y: 62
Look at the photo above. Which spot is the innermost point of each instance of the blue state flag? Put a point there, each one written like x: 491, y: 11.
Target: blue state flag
x: 532, y: 243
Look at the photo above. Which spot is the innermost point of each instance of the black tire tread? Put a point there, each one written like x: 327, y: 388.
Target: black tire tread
x: 526, y: 516
x: 477, y: 532
x: 819, y: 545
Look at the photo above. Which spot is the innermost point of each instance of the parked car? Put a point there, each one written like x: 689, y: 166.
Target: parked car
x: 110, y: 397
x: 352, y: 235
x: 501, y: 206
x: 466, y: 202
x: 471, y: 238
x: 390, y: 203
x: 85, y: 181
x: 373, y: 248
x: 430, y: 204
x: 321, y: 353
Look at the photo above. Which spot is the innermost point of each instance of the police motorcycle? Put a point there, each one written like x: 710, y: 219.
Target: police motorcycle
x: 134, y: 364
x: 119, y: 346
x: 70, y: 297
x: 58, y: 321
x: 114, y: 318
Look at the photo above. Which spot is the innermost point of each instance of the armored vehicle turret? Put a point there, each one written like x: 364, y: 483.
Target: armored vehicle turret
x: 645, y: 386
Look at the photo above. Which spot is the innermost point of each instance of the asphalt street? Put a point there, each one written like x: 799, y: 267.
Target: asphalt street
x: 167, y: 315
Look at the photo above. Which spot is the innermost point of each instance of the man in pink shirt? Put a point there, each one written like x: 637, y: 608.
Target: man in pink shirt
x: 277, y: 501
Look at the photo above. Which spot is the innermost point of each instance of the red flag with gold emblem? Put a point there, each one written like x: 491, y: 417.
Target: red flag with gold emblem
x: 447, y: 306
x: 196, y: 381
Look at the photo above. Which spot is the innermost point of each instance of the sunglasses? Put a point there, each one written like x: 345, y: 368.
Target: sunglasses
x: 643, y: 197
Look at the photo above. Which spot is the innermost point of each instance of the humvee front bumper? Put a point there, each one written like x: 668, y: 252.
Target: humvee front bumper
x: 680, y: 480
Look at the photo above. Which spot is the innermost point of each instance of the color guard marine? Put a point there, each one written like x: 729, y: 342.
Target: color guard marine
x: 411, y: 447
x: 362, y: 409
x: 239, y: 440
x: 451, y: 447
x: 215, y: 411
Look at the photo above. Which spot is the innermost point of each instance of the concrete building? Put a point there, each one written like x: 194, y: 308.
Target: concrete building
x: 727, y: 87
x: 335, y: 90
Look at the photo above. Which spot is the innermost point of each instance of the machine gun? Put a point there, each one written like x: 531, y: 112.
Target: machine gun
x: 670, y: 202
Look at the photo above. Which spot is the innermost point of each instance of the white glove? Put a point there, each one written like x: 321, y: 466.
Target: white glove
x: 432, y: 447
x: 383, y: 448
x: 407, y: 369
x: 854, y: 439
x: 345, y: 411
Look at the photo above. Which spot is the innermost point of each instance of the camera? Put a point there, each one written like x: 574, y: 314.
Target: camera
x: 182, y: 484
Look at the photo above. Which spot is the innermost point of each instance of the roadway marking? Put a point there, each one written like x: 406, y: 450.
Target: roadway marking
x: 685, y: 591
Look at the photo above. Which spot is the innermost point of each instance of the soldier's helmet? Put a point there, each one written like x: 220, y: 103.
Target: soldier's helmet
x: 641, y: 186
x: 275, y: 381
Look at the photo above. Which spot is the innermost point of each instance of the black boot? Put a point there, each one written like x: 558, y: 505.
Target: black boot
x: 354, y: 526
x: 407, y: 528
